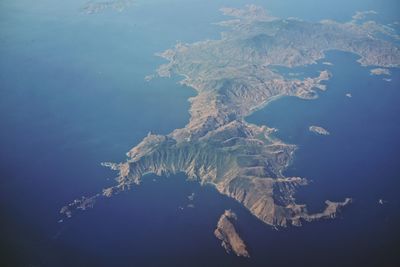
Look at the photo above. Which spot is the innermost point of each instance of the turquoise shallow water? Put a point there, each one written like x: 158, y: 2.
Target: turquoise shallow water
x: 73, y: 95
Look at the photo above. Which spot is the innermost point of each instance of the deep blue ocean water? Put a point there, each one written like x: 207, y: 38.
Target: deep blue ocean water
x: 358, y: 159
x: 72, y: 95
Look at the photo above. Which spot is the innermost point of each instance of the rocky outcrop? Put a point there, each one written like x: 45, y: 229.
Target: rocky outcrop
x: 82, y: 203
x: 226, y: 232
x: 318, y: 130
x: 380, y: 71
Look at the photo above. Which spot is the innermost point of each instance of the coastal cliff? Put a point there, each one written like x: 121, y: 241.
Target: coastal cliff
x: 230, y: 239
x: 233, y: 77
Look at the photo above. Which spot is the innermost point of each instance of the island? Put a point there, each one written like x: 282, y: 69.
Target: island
x: 191, y: 196
x: 227, y: 233
x: 380, y: 71
x: 382, y: 201
x: 318, y: 130
x: 233, y: 77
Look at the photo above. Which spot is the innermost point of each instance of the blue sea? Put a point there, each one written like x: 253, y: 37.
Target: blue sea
x: 73, y: 94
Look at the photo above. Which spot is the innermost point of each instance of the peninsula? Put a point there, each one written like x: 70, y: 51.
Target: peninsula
x: 233, y: 77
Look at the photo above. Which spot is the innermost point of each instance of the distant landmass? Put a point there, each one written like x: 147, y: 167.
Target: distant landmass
x: 233, y: 77
x: 93, y: 7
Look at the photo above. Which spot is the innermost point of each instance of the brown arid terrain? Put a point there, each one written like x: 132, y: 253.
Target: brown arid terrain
x: 233, y: 77
x: 230, y: 239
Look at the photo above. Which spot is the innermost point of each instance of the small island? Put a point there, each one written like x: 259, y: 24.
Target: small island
x: 227, y: 233
x: 380, y: 71
x: 381, y: 201
x: 319, y: 130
